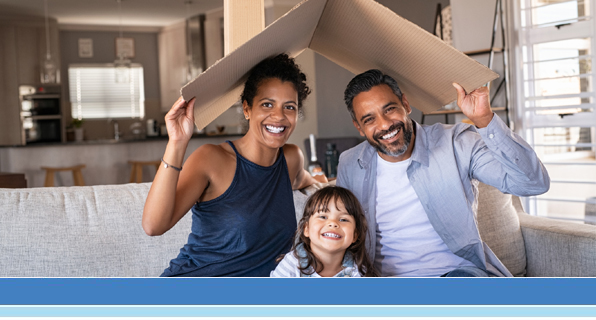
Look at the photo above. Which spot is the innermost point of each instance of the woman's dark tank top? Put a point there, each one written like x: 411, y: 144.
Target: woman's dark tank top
x: 243, y: 231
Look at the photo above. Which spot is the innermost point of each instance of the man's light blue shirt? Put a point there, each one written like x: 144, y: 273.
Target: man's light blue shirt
x: 446, y: 162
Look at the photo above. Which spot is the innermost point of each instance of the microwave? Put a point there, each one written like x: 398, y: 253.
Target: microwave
x: 41, y: 118
x: 40, y: 101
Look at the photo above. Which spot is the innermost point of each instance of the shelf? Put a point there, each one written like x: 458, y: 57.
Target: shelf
x: 441, y: 112
x: 44, y: 117
x: 483, y: 51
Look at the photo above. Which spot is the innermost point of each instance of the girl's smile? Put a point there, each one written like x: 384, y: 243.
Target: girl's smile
x: 331, y: 232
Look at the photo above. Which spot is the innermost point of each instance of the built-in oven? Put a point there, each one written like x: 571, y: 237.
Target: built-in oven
x: 40, y: 114
x: 42, y: 129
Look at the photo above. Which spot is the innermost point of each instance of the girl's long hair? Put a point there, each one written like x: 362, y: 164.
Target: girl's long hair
x: 318, y: 202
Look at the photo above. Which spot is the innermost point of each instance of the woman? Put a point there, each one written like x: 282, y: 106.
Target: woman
x: 241, y: 191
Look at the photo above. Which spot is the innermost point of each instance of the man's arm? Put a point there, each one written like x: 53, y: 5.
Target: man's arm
x: 502, y: 158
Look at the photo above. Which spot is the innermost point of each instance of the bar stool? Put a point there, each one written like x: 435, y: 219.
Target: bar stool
x: 76, y: 174
x: 136, y: 173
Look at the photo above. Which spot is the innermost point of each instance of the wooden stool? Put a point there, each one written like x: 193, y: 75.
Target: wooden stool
x: 136, y: 173
x: 76, y: 174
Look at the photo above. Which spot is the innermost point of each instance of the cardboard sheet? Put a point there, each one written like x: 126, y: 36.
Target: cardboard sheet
x: 358, y: 35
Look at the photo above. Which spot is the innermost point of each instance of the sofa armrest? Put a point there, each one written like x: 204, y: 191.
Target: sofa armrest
x: 556, y: 248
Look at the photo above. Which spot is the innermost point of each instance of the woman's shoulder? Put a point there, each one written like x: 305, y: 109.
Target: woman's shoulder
x: 213, y: 150
x: 294, y: 156
x: 211, y: 156
x: 291, y: 150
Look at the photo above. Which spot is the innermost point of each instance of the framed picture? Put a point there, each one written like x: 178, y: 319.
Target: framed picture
x: 85, y: 48
x: 125, y: 47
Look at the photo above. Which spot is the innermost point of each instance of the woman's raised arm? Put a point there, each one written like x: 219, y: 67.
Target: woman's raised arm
x: 167, y: 201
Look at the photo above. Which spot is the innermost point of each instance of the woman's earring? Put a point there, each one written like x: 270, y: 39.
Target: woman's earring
x: 246, y: 116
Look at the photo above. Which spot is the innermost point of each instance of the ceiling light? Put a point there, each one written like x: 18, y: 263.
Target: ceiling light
x: 49, y: 69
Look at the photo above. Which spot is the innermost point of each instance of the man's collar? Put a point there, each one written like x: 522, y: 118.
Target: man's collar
x: 366, y: 155
x: 420, y: 152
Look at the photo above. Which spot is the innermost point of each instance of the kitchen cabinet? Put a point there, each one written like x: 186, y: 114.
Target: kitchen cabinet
x: 173, y: 48
x: 21, y: 54
x: 10, y: 121
x: 172, y: 63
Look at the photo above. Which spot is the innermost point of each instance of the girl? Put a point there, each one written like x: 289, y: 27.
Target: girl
x: 240, y: 192
x: 331, y: 238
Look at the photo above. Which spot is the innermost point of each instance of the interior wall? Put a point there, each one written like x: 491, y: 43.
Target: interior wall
x: 334, y: 120
x: 475, y: 34
x: 104, y: 51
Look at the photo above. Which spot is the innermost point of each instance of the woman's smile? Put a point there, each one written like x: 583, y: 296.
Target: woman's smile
x: 274, y: 112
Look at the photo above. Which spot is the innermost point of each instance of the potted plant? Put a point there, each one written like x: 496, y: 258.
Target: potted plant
x: 78, y: 130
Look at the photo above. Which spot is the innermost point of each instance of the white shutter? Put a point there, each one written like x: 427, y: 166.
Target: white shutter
x: 95, y: 94
x: 556, y: 101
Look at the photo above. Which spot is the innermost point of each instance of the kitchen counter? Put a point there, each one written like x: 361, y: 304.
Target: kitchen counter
x: 122, y: 140
x: 106, y: 161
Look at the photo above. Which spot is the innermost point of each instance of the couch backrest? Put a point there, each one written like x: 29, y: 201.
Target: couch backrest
x: 82, y: 232
x: 96, y: 231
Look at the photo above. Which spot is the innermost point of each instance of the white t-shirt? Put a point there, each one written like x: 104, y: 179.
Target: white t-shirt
x: 407, y: 244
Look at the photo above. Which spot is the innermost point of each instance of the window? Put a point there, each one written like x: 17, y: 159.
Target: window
x: 556, y: 101
x: 95, y: 92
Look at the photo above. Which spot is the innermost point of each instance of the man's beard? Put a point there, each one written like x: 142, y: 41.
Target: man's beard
x: 397, y: 150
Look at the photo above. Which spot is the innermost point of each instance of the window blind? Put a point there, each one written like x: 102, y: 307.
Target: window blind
x: 95, y: 93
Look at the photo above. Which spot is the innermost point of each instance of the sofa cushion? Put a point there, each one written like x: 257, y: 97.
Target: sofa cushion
x: 82, y: 232
x: 499, y: 228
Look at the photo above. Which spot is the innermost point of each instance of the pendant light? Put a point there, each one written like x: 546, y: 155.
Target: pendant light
x: 122, y: 64
x: 189, y: 57
x: 49, y: 71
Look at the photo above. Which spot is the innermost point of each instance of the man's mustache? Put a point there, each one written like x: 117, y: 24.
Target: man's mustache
x: 393, y: 127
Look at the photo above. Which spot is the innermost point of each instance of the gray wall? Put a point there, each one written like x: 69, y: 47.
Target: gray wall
x: 334, y: 120
x: 104, y: 51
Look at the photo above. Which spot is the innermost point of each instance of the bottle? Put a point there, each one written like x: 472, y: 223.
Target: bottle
x: 331, y: 160
x: 314, y: 166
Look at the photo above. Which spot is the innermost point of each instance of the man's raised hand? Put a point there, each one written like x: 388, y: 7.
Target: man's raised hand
x: 475, y: 105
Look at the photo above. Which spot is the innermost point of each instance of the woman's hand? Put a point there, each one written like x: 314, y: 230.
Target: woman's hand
x: 180, y: 120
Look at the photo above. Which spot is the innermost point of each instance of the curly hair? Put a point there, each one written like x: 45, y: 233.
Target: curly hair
x: 318, y: 202
x: 281, y: 67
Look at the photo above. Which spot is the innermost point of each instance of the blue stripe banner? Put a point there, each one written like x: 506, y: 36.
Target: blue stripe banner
x: 298, y: 291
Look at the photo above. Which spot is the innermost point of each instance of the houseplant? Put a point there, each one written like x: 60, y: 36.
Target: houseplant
x: 78, y: 129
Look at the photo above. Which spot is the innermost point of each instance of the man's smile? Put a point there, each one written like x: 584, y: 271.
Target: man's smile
x: 391, y: 133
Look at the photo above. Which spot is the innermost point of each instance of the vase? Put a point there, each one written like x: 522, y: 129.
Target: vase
x: 79, y: 132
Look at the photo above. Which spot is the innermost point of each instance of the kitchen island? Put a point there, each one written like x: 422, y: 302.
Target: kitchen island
x: 106, y: 161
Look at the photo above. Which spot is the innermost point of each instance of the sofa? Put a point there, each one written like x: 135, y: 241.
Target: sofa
x: 95, y: 231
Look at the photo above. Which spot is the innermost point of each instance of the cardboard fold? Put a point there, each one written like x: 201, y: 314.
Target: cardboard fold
x: 358, y: 35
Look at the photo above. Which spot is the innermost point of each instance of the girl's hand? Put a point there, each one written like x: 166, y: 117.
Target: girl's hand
x: 180, y: 120
x: 475, y: 105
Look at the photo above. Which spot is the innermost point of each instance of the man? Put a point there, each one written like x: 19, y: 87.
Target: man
x: 416, y: 183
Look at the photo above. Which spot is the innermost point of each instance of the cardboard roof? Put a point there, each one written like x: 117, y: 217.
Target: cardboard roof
x: 358, y: 35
